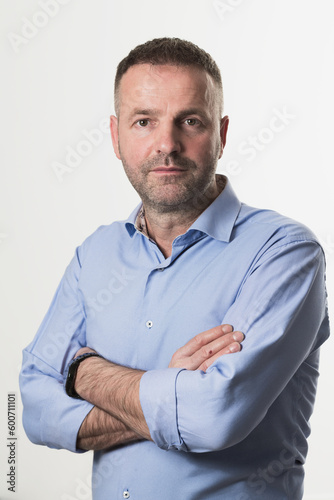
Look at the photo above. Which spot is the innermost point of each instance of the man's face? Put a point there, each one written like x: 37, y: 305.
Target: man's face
x: 169, y: 134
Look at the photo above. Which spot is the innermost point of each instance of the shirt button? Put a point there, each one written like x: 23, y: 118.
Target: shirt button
x: 126, y: 494
x: 161, y: 269
x: 149, y: 324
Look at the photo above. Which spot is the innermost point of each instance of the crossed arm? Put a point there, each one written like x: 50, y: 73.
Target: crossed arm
x: 117, y: 417
x: 282, y: 309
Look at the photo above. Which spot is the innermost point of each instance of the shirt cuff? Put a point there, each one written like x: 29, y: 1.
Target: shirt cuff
x: 158, y: 400
x: 50, y: 417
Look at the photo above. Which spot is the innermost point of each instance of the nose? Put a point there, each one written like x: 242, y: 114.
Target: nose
x: 167, y: 139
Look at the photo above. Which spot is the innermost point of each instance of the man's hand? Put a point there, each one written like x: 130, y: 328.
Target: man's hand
x: 201, y: 351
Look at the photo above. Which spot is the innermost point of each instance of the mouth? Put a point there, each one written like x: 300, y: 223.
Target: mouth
x: 168, y: 170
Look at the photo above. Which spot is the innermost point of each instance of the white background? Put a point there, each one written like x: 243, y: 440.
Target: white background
x: 57, y: 81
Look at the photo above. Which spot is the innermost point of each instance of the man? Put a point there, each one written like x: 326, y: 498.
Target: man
x: 172, y: 412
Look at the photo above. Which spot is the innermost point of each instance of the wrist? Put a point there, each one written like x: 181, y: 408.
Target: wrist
x: 71, y: 373
x: 90, y: 377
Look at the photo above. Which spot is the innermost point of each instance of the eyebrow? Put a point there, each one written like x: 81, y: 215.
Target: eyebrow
x: 191, y: 111
x: 182, y: 114
x: 146, y: 111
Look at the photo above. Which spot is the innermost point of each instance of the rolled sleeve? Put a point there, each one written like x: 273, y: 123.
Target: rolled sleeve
x: 50, y: 417
x: 159, y: 405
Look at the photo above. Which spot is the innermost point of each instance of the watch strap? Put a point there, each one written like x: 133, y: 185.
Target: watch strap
x: 71, y: 373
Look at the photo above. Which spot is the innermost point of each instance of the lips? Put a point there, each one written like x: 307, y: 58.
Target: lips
x: 167, y: 170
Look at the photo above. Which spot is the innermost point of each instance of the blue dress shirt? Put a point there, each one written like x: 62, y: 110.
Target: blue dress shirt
x: 236, y: 432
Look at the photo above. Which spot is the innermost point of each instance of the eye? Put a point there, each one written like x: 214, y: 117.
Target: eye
x: 143, y: 122
x: 192, y: 121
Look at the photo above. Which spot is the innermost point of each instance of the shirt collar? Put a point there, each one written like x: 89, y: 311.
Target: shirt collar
x: 216, y: 221
x: 219, y: 218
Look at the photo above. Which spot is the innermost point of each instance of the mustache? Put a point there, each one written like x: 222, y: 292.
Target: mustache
x: 168, y: 160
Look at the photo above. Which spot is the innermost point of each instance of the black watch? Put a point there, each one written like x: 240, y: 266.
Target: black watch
x: 72, y: 369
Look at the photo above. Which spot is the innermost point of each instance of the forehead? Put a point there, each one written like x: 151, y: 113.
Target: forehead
x: 145, y: 84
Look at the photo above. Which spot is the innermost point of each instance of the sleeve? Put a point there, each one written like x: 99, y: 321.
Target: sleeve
x: 281, y: 308
x: 50, y: 417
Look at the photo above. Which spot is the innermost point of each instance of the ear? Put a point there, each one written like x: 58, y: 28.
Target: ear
x: 114, y: 135
x: 223, y: 133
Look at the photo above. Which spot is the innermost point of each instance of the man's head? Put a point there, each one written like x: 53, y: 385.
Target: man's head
x: 173, y: 52
x: 168, y: 131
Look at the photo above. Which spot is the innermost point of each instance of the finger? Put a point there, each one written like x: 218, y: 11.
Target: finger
x: 204, y: 338
x: 234, y: 347
x: 218, y: 347
x: 229, y: 341
x: 204, y: 346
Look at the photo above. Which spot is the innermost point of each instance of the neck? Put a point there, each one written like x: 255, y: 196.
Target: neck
x: 164, y: 226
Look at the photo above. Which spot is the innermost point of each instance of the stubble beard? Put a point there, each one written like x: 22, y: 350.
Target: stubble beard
x: 180, y: 193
